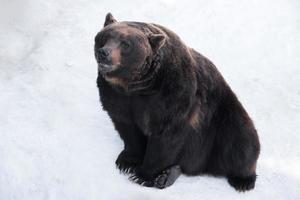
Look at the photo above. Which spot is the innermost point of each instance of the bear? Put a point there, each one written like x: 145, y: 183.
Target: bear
x: 172, y: 108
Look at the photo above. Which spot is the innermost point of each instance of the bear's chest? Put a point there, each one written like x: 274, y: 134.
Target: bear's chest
x: 128, y: 109
x: 141, y: 112
x: 146, y: 112
x: 116, y: 104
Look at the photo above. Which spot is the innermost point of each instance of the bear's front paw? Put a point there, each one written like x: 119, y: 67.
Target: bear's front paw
x: 164, y: 179
x: 127, y: 163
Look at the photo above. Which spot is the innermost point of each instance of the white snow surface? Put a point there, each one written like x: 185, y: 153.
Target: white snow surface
x: 56, y: 142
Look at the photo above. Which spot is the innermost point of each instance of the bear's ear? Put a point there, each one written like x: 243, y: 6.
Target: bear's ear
x: 156, y: 41
x: 109, y: 19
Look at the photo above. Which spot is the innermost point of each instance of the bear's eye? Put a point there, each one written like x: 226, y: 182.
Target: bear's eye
x: 125, y: 45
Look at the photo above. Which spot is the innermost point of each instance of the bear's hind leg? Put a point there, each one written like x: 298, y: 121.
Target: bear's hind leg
x: 167, y: 177
x: 244, y: 180
x: 241, y: 183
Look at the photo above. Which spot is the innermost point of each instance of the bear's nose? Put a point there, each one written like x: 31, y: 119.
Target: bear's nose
x: 103, y: 54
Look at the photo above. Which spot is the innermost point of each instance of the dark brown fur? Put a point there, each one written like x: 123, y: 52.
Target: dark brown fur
x: 172, y: 108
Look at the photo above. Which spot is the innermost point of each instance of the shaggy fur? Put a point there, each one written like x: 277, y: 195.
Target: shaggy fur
x: 172, y: 108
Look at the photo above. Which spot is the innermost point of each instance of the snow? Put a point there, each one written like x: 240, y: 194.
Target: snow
x: 56, y: 143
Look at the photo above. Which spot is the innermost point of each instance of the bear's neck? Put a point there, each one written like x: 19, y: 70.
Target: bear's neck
x: 143, y: 81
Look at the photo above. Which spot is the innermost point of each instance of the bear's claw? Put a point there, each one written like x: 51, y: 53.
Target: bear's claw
x: 139, y: 180
x: 127, y: 163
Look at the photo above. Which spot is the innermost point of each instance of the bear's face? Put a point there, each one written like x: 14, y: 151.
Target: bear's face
x: 120, y: 46
x: 121, y: 49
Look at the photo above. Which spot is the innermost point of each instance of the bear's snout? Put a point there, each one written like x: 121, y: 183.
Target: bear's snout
x: 103, y: 56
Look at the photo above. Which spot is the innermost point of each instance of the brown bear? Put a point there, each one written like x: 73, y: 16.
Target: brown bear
x: 172, y: 108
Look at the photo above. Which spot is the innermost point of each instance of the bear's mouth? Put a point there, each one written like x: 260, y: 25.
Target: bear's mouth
x: 105, y: 68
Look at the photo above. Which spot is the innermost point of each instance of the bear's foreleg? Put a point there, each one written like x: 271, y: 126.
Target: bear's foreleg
x: 134, y: 147
x: 160, y: 167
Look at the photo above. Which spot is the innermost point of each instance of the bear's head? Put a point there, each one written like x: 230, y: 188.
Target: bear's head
x: 122, y: 49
